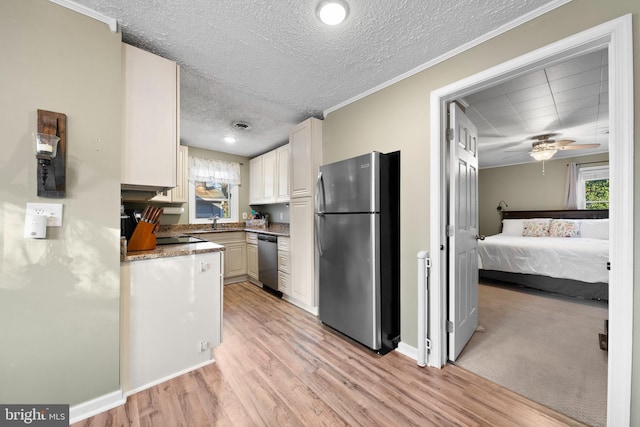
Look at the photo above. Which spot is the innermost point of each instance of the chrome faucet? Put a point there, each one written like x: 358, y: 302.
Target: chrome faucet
x: 214, y: 224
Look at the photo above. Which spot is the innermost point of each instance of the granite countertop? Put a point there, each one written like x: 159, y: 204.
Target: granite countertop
x: 274, y: 229
x: 165, y: 251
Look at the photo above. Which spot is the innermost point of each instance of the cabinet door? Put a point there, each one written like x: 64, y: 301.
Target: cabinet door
x: 235, y: 259
x: 255, y: 166
x: 269, y: 177
x: 150, y: 119
x: 283, y: 174
x: 252, y: 261
x: 178, y: 307
x: 302, y: 251
x: 180, y: 193
x: 305, y: 145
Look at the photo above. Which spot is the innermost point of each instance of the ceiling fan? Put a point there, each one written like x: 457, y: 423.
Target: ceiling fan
x: 544, y: 148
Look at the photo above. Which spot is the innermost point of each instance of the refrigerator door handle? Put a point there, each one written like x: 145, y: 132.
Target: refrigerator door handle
x: 320, y: 193
x: 319, y: 211
x: 319, y: 217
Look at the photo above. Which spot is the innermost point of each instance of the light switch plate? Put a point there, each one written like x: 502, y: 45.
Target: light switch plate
x: 53, y: 212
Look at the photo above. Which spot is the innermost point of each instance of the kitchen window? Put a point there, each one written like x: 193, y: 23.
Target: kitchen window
x: 213, y: 190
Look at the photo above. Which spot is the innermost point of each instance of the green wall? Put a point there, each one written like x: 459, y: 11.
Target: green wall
x: 397, y: 118
x: 59, y: 297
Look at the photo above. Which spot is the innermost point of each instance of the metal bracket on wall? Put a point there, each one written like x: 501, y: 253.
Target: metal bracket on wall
x: 53, y: 123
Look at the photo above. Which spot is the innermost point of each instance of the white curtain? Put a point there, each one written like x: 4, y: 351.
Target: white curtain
x: 214, y: 170
x: 571, y: 188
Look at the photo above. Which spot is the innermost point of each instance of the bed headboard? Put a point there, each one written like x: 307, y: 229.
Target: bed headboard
x: 559, y: 214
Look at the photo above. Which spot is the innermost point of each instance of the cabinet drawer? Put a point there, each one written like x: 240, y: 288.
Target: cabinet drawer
x: 283, y: 262
x: 283, y: 244
x: 252, y: 238
x: 283, y: 283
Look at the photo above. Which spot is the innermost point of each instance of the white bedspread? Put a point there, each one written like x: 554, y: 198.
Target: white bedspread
x: 567, y: 258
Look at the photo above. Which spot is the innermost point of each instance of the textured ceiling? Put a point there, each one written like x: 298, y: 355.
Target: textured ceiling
x: 272, y: 63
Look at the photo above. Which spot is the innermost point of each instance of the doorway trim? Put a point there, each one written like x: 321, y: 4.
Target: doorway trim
x: 616, y: 35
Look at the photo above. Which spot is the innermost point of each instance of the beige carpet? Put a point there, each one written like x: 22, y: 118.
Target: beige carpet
x: 543, y: 347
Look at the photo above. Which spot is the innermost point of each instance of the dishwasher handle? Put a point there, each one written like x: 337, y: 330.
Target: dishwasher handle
x: 268, y: 238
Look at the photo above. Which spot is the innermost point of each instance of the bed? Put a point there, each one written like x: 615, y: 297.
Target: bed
x: 564, y: 251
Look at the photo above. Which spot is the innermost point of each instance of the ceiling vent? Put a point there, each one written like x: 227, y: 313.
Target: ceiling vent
x: 243, y: 126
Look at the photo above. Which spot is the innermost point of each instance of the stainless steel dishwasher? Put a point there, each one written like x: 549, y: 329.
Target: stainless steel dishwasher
x: 268, y: 263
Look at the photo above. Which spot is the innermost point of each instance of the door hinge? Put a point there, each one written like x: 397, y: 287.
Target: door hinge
x: 609, y: 266
x: 428, y: 344
x: 449, y: 326
x: 450, y: 134
x: 449, y: 230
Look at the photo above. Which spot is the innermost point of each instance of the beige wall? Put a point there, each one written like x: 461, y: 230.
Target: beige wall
x: 398, y: 118
x: 523, y: 187
x: 243, y: 191
x: 59, y: 298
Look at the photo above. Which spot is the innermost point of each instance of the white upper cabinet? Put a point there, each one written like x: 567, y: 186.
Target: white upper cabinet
x: 151, y: 140
x: 270, y: 177
x: 180, y: 193
x: 305, y: 145
x: 256, y: 189
x: 282, y: 194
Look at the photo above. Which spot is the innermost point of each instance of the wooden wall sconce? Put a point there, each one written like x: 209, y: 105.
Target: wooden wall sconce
x: 51, y: 152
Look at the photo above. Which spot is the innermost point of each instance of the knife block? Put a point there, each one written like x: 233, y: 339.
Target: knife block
x: 142, y: 238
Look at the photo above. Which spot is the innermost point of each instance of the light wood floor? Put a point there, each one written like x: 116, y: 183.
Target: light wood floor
x: 279, y: 366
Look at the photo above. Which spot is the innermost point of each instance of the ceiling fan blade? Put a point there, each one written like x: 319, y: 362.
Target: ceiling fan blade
x: 578, y: 146
x: 562, y: 142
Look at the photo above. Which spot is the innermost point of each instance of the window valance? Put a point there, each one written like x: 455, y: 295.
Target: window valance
x: 214, y: 170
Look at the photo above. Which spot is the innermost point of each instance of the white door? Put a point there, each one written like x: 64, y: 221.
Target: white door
x: 462, y: 231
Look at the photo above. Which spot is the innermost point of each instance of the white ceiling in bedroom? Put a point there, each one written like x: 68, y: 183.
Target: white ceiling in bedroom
x: 570, y: 98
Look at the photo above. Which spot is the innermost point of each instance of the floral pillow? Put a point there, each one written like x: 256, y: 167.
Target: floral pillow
x: 562, y: 228
x: 536, y: 228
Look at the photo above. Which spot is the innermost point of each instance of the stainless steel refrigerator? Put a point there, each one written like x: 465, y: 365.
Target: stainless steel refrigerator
x: 358, y: 242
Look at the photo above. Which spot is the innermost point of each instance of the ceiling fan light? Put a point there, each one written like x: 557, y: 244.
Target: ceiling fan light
x: 543, y: 154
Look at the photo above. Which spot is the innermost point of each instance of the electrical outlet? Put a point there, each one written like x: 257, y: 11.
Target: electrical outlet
x: 281, y: 216
x: 204, y: 345
x: 244, y: 215
x: 53, y: 212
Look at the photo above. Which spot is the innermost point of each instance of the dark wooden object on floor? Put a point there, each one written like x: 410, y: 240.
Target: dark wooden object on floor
x: 278, y: 365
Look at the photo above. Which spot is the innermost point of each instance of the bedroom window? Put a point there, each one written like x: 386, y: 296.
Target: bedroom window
x: 593, y: 187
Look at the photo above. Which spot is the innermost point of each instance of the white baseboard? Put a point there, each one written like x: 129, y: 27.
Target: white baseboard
x: 168, y: 377
x: 407, y: 350
x: 313, y: 310
x: 93, y: 407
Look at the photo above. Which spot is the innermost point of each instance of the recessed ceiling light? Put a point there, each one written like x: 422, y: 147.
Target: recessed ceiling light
x: 229, y: 139
x: 332, y: 12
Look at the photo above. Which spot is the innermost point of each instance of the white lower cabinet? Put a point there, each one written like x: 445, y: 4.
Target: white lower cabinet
x: 235, y: 253
x: 252, y: 257
x: 171, y: 317
x: 284, y: 266
x: 302, y: 250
